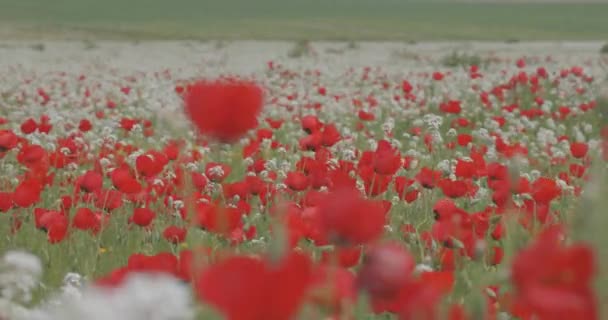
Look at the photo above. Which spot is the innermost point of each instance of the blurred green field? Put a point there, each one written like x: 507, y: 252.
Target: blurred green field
x: 302, y: 19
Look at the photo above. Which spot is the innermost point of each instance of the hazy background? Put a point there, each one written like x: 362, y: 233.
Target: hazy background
x: 401, y: 20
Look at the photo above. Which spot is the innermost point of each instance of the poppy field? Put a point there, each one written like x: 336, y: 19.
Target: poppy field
x: 306, y: 191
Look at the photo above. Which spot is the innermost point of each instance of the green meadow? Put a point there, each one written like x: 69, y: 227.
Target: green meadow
x: 303, y: 19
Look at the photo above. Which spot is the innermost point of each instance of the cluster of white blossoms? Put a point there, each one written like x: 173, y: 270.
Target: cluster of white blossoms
x: 140, y: 297
x: 20, y: 274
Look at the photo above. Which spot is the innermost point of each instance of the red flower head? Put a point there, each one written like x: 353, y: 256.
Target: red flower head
x: 218, y: 219
x: 386, y: 160
x: 297, y: 181
x: 142, y: 217
x: 91, y: 181
x: 29, y: 126
x: 579, y: 149
x: 544, y: 190
x: 311, y: 124
x: 446, y: 209
x: 57, y: 229
x: 347, y: 217
x: 553, y: 281
x: 85, y: 125
x: 31, y: 155
x: 151, y: 164
x: 452, y: 106
x: 86, y: 219
x: 124, y: 181
x: 8, y: 140
x: 27, y: 193
x: 224, y: 109
x: 330, y: 135
x: 453, y: 188
x: 386, y: 269
x: 175, y: 234
x: 245, y: 288
x: 428, y: 177
x: 6, y: 201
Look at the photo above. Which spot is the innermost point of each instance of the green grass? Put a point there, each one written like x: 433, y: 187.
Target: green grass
x: 302, y: 19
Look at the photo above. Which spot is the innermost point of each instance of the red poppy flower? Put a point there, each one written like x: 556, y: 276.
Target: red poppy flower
x: 8, y: 140
x: 142, y: 217
x: 108, y: 199
x: 330, y: 135
x: 297, y: 181
x: 445, y: 209
x: 85, y: 125
x: 6, y: 201
x: 466, y: 169
x: 124, y: 181
x: 175, y: 234
x: 255, y: 184
x: 577, y: 170
x: 401, y: 185
x: 374, y: 184
x: 366, y: 116
x: 91, y: 181
x: 311, y: 142
x: 245, y: 288
x: 544, y: 190
x: 218, y: 219
x: 224, y: 109
x: 464, y: 139
x: 428, y: 177
x: 274, y: 123
x: 452, y: 106
x: 311, y: 124
x: 31, y: 155
x: 27, y: 193
x: 57, y: 229
x: 411, y: 196
x: 44, y: 126
x: 239, y: 188
x: 163, y: 262
x: 406, y: 86
x: 579, y: 149
x: 386, y: 159
x: 171, y: 150
x: 29, y: 126
x: 151, y: 164
x: 553, y: 281
x: 86, y: 219
x: 386, y: 269
x: 419, y: 298
x: 349, y: 218
x: 453, y: 188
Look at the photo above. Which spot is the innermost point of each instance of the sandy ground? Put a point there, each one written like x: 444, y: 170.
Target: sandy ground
x: 252, y: 56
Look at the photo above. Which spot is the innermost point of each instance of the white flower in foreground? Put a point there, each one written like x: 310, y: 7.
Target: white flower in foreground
x: 23, y: 261
x: 142, y: 296
x: 19, y: 275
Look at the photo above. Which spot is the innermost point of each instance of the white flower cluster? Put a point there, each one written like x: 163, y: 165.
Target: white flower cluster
x: 141, y: 297
x: 19, y: 276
